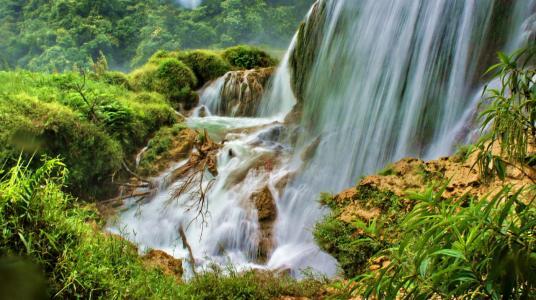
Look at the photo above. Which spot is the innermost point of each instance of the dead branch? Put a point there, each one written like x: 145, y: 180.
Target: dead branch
x: 192, y: 177
x: 187, y: 246
x: 147, y: 181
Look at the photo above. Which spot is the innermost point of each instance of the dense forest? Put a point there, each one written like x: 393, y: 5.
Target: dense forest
x: 167, y: 149
x: 57, y: 35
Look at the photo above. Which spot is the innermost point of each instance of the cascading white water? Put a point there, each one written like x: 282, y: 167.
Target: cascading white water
x: 279, y: 98
x: 392, y: 79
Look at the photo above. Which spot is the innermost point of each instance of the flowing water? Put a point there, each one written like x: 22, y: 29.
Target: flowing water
x: 392, y: 79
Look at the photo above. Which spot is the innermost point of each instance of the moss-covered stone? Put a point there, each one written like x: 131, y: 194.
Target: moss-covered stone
x: 362, y: 222
x: 206, y: 65
x: 248, y: 57
x: 32, y: 127
x: 169, y: 145
x: 305, y: 52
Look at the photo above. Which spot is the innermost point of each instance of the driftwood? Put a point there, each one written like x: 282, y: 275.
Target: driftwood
x: 187, y: 246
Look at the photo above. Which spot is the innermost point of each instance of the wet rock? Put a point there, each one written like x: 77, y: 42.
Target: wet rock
x: 303, y: 57
x: 242, y: 92
x: 267, y: 214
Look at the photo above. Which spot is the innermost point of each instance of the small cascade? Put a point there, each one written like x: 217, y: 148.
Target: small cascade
x: 210, y: 97
x: 279, y: 99
x: 235, y: 94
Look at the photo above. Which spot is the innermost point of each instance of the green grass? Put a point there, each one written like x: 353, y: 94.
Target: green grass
x: 46, y: 114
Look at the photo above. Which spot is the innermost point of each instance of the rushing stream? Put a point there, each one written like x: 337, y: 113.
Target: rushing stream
x: 392, y: 79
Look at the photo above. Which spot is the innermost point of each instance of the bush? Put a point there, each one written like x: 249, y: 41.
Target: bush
x: 206, y: 65
x: 247, y: 57
x: 462, y: 248
x: 142, y: 79
x: 170, y: 144
x: 173, y: 77
x: 353, y: 244
x: 31, y: 126
x: 169, y: 77
x: 40, y: 222
x: 255, y: 285
x: 115, y: 78
x: 509, y: 117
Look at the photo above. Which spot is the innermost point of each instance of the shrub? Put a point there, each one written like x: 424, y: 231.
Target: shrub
x: 161, y: 55
x: 172, y: 77
x: 36, y: 127
x: 115, y: 78
x: 462, y: 248
x: 142, y: 79
x: 353, y: 244
x: 170, y: 144
x: 206, y: 65
x: 169, y: 77
x: 254, y: 285
x: 46, y: 114
x: 509, y: 119
x: 247, y: 57
x: 40, y: 222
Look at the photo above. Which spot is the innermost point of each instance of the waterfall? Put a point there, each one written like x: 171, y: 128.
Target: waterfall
x: 390, y: 79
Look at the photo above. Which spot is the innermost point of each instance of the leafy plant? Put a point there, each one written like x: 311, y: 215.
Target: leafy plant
x: 509, y: 120
x: 462, y: 248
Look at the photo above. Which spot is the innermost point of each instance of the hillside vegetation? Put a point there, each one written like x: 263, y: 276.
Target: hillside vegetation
x: 56, y: 35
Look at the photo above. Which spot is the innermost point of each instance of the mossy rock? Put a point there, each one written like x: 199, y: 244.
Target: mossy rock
x: 206, y: 65
x: 248, y: 57
x: 30, y: 126
x: 143, y: 78
x: 169, y: 145
x: 115, y: 78
x: 308, y: 43
x: 362, y: 223
x: 161, y: 55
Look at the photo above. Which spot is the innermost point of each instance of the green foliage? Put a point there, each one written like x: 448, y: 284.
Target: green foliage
x: 47, y: 114
x: 510, y: 114
x: 39, y: 221
x: 160, y: 150
x: 351, y: 247
x: 206, y: 65
x: 247, y: 57
x: 32, y: 126
x: 353, y: 244
x: 219, y: 285
x: 115, y: 78
x: 462, y: 248
x: 168, y: 76
x: 173, y: 79
x: 58, y: 35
